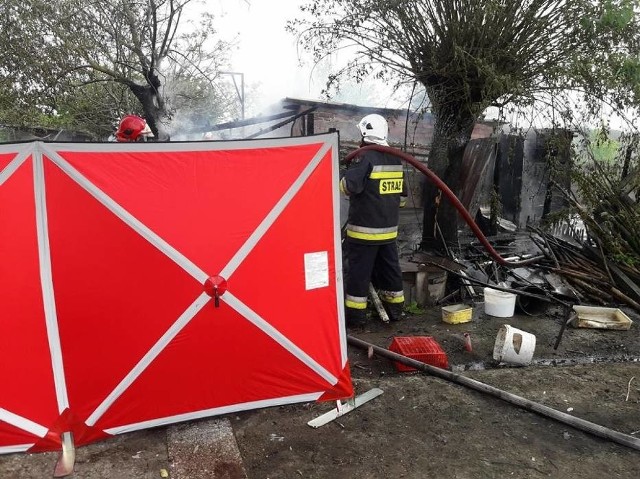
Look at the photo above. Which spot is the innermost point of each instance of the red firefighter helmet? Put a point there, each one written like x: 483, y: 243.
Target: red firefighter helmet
x: 133, y: 128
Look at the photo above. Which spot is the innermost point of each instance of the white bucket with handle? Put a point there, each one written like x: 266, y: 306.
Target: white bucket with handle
x: 499, y: 303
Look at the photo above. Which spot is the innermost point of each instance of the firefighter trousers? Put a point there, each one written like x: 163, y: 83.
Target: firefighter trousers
x: 379, y: 265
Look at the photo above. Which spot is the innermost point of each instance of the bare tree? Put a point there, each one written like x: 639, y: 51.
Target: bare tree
x: 473, y: 54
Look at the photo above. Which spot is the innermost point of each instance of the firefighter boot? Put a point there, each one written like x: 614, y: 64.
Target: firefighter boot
x: 394, y: 311
x: 355, y: 318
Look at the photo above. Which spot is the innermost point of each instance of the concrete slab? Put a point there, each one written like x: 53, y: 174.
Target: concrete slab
x: 204, y: 450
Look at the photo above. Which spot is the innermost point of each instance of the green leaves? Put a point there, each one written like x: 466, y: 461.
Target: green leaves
x: 616, y: 15
x: 83, y: 64
x: 478, y: 53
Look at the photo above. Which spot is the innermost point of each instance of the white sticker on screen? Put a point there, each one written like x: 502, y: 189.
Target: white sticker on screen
x: 316, y: 270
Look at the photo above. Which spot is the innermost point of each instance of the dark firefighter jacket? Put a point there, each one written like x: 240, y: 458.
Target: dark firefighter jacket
x: 375, y: 183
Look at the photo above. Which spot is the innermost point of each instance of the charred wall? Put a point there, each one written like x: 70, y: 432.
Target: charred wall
x: 526, y: 168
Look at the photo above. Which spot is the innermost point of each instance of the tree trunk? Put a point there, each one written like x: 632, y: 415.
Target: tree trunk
x: 152, y: 106
x: 445, y: 160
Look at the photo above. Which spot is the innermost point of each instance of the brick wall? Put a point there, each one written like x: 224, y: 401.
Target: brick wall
x: 417, y: 133
x: 344, y: 118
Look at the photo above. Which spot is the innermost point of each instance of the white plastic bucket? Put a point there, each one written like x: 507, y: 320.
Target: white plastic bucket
x: 499, y: 303
x: 514, y: 346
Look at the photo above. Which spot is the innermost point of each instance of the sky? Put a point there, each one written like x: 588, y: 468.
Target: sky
x: 266, y: 54
x: 274, y: 64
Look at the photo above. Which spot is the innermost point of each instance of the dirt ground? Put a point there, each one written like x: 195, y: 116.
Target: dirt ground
x: 423, y: 426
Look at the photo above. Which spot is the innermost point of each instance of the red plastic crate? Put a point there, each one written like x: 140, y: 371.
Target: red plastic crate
x: 420, y: 348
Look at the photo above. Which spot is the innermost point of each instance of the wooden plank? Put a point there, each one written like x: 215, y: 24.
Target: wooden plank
x: 378, y: 304
x: 344, y: 408
x: 627, y: 283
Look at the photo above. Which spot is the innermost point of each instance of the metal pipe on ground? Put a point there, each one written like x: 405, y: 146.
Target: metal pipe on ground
x: 576, y: 422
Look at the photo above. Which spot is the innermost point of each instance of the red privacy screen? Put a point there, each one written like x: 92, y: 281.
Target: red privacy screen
x: 132, y: 271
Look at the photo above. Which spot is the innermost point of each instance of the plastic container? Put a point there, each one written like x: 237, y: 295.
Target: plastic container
x: 600, y: 318
x: 457, y: 313
x: 499, y: 303
x: 514, y: 346
x: 421, y: 348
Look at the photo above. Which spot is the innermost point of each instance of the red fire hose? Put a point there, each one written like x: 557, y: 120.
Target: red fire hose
x: 452, y: 197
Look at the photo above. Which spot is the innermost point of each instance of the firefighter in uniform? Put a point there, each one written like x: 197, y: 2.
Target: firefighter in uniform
x: 375, y: 188
x: 133, y: 128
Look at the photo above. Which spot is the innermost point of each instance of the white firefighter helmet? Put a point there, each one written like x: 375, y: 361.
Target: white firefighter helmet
x: 374, y: 129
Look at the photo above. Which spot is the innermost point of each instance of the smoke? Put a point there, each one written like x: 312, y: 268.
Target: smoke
x: 194, y: 105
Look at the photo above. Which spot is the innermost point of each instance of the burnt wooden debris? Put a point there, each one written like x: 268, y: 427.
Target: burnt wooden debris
x: 571, y: 271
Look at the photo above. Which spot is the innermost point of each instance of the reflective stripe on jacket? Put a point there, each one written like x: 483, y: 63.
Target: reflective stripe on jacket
x: 374, y: 183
